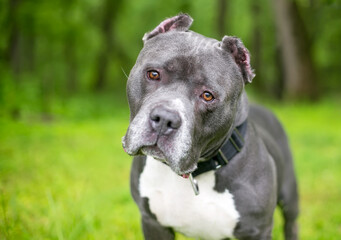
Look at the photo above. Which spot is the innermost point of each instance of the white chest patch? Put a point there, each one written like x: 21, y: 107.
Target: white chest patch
x: 210, y: 215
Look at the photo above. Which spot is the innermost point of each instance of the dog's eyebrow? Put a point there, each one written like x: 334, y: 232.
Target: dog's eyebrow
x: 152, y: 65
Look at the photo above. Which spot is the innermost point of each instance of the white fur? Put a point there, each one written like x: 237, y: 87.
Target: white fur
x: 184, y: 141
x: 210, y: 215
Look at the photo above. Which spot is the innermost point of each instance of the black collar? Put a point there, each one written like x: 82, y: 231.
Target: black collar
x: 228, y: 150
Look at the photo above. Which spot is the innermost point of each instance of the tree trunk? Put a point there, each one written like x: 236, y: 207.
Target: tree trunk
x: 111, y: 9
x: 185, y: 6
x: 72, y: 70
x: 256, y: 46
x: 29, y: 45
x: 299, y: 79
x: 279, y: 86
x: 13, y: 45
x: 221, y: 20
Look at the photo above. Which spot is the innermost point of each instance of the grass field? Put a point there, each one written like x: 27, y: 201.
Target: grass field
x: 68, y: 178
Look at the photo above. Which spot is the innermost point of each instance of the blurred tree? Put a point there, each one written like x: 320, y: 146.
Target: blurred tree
x: 110, y: 10
x: 13, y: 45
x: 222, y: 6
x: 257, y: 44
x: 300, y: 73
x: 71, y: 63
x: 279, y: 87
x: 70, y: 41
x: 323, y: 20
x: 28, y: 44
x: 58, y: 48
x: 185, y: 6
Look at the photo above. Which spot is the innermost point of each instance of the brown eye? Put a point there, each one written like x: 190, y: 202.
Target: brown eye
x: 153, y: 75
x: 207, y: 96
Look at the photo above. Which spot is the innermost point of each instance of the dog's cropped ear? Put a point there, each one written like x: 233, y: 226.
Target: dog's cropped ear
x: 241, y: 56
x: 181, y: 22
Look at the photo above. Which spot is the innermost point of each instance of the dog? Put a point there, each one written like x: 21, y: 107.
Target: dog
x: 206, y: 163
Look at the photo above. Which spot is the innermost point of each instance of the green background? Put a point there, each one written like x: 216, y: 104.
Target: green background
x: 63, y: 172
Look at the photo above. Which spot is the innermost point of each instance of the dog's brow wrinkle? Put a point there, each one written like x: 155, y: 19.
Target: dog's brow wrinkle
x: 197, y: 48
x: 206, y: 45
x: 195, y: 41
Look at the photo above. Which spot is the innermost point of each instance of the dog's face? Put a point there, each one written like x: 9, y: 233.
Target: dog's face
x: 183, y: 93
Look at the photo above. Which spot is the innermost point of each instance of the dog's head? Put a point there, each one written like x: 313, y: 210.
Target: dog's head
x: 183, y: 94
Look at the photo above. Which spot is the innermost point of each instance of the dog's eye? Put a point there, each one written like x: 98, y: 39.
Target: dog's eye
x: 207, y: 96
x: 153, y: 75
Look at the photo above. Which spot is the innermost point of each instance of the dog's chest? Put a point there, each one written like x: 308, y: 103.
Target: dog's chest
x: 210, y: 215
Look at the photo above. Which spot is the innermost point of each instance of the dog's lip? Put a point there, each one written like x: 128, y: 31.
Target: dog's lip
x: 183, y: 175
x: 153, y: 147
x: 155, y: 150
x: 186, y: 175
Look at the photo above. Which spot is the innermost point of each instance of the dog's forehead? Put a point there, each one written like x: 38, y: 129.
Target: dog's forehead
x: 187, y: 53
x: 181, y: 43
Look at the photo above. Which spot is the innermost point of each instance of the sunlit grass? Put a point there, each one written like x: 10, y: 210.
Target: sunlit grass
x: 69, y: 178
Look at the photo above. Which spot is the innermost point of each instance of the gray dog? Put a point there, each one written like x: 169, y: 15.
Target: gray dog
x: 206, y: 163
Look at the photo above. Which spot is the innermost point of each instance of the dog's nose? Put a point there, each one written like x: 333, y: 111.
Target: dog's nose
x: 164, y: 121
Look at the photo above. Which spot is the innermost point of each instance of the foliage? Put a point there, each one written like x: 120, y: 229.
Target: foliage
x: 54, y: 49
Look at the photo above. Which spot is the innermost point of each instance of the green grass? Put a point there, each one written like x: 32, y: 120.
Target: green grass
x: 69, y: 178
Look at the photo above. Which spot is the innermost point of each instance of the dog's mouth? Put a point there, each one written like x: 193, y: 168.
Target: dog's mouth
x: 155, y: 152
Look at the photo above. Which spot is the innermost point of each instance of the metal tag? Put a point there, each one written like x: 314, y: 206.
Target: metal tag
x: 194, y: 184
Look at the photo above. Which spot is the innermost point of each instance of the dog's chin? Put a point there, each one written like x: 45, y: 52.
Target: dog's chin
x: 158, y: 154
x: 154, y: 152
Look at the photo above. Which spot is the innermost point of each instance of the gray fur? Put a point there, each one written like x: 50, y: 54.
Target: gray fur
x: 259, y: 177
